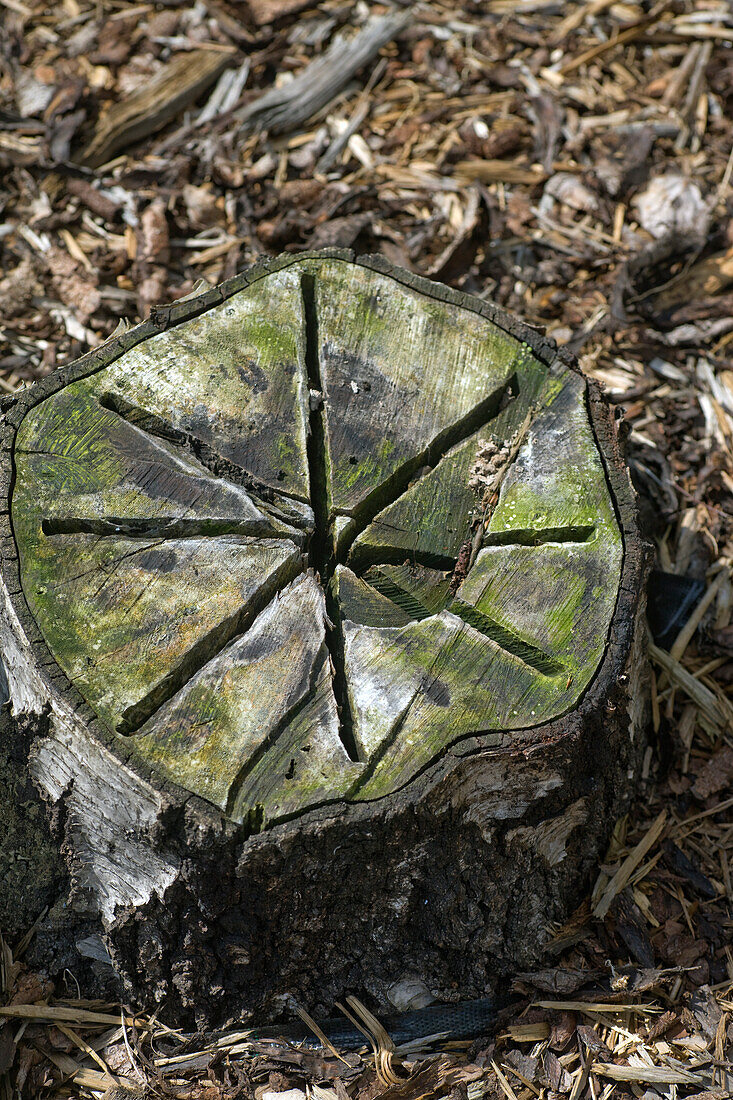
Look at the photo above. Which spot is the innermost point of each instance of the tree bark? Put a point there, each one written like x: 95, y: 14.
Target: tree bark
x: 329, y: 586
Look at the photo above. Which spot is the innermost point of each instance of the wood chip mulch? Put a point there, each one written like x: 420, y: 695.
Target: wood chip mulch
x: 570, y: 161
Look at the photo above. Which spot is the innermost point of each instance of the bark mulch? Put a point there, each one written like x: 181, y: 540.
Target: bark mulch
x: 570, y: 161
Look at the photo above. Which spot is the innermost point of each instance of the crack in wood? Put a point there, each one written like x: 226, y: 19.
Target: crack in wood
x: 322, y: 549
x: 154, y: 531
x: 270, y: 500
x: 272, y: 737
x: 207, y: 647
x: 406, y: 601
x: 107, y: 567
x: 388, y: 742
x: 164, y: 527
x: 506, y: 639
x: 386, y: 494
x: 362, y: 559
x: 324, y: 554
x: 541, y: 536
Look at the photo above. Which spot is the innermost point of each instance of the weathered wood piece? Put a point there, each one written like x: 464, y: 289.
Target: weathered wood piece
x: 319, y: 590
x: 177, y: 85
x: 285, y: 107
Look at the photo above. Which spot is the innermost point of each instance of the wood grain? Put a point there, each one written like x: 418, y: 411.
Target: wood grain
x: 232, y: 379
x: 257, y: 726
x: 91, y: 471
x: 404, y: 378
x: 433, y: 517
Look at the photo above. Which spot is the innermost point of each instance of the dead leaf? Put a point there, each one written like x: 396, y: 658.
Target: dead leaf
x: 76, y: 287
x: 716, y: 775
x: 671, y: 205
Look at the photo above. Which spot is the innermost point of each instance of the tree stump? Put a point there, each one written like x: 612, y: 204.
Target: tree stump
x: 324, y: 592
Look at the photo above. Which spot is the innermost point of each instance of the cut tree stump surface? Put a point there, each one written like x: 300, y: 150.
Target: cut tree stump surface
x: 155, y: 506
x: 292, y: 545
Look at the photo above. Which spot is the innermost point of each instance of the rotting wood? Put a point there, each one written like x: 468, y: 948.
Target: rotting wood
x: 229, y: 576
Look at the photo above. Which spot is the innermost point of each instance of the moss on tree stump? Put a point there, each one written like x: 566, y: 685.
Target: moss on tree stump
x: 329, y: 581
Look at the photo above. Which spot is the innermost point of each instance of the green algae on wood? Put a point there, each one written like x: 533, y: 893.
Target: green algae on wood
x: 87, y: 469
x: 558, y: 482
x: 417, y: 589
x: 386, y: 414
x: 232, y: 379
x: 431, y: 519
x: 128, y: 619
x: 405, y: 733
x: 163, y: 505
x: 257, y: 725
x: 361, y: 602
